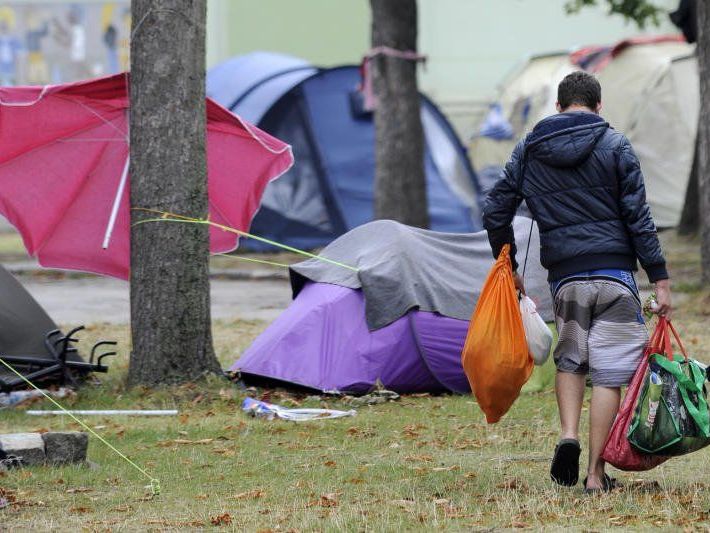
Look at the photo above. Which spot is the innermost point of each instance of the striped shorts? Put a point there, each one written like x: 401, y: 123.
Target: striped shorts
x: 601, y: 330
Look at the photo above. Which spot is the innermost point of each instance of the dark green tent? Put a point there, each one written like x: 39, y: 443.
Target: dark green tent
x: 32, y: 343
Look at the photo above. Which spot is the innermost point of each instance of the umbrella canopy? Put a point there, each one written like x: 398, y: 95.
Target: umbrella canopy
x: 64, y: 172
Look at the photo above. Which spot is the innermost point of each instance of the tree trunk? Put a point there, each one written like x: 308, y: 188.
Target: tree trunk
x: 690, y: 217
x: 170, y: 298
x: 703, y: 49
x: 400, y: 184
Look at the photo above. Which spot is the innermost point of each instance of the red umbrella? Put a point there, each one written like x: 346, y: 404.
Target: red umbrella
x: 64, y: 172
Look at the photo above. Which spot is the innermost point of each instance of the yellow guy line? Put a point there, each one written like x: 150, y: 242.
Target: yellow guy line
x: 171, y: 217
x: 154, y: 483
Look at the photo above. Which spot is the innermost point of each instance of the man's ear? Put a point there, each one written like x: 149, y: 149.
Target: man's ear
x: 598, y: 109
x: 558, y: 107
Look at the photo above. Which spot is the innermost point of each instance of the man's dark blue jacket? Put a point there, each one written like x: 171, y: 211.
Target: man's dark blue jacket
x: 583, y: 184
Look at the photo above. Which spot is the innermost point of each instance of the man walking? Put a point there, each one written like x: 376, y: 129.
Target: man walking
x: 583, y: 185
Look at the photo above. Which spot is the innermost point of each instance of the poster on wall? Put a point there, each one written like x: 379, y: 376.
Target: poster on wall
x: 57, y: 42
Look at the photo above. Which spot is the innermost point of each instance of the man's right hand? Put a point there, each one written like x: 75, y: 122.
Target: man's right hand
x: 663, y: 298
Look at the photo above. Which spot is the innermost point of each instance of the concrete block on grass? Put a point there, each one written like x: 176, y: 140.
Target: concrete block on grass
x: 29, y: 446
x: 65, y: 447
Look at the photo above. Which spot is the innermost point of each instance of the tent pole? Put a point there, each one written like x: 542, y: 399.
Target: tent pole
x: 116, y: 204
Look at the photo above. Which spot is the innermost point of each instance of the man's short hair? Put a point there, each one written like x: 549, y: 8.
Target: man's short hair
x: 579, y: 88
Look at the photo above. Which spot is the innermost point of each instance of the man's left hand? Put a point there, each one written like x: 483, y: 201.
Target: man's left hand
x: 518, y: 281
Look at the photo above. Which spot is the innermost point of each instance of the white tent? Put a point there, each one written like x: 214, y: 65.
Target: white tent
x: 527, y: 95
x: 649, y: 92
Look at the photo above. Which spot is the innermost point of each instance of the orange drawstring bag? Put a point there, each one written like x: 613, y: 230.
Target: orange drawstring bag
x: 495, y: 356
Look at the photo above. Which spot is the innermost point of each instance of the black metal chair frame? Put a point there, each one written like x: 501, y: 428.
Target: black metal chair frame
x: 58, y: 347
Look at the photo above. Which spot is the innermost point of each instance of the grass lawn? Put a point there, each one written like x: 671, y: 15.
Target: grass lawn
x: 421, y: 463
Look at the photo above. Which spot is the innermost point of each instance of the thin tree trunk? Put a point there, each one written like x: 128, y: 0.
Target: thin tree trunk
x: 703, y: 48
x: 400, y: 184
x: 690, y: 217
x: 170, y: 299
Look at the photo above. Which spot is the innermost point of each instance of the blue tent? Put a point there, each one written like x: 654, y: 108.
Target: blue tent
x: 329, y: 190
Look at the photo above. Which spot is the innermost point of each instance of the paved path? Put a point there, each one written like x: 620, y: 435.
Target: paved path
x: 89, y: 300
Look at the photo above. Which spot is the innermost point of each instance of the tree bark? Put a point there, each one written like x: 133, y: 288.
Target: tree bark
x: 400, y: 183
x: 690, y: 217
x: 703, y: 49
x: 170, y: 298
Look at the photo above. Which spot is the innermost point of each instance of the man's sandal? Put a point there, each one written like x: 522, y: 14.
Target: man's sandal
x: 565, y: 463
x: 608, y: 484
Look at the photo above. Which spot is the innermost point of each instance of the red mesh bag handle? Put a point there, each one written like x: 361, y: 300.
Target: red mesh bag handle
x: 677, y: 339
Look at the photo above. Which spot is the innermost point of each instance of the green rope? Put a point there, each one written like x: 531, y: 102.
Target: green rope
x: 168, y: 217
x: 154, y: 483
x: 252, y: 260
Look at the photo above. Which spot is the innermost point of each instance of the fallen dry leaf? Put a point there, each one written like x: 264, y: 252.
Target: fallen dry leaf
x: 175, y: 523
x: 329, y: 500
x: 452, y: 468
x: 221, y: 520
x: 642, y: 485
x: 620, y: 520
x: 360, y: 432
x: 465, y: 444
x: 225, y: 452
x: 405, y: 504
x: 249, y: 495
x: 419, y: 458
x: 512, y: 484
x: 185, y: 442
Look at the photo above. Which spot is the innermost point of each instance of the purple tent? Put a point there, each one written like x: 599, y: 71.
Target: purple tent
x: 322, y: 342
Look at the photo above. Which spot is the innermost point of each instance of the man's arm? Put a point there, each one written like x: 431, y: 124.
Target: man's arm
x: 637, y: 217
x: 502, y: 203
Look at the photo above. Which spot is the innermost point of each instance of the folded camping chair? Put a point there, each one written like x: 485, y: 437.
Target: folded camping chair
x: 60, y: 364
x: 32, y: 343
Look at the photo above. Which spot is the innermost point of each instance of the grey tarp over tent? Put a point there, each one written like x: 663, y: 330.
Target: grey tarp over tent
x: 402, y: 268
x: 400, y: 321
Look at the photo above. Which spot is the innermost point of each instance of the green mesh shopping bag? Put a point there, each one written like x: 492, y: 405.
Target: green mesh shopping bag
x: 671, y: 416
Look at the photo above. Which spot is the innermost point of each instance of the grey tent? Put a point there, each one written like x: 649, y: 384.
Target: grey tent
x: 32, y: 343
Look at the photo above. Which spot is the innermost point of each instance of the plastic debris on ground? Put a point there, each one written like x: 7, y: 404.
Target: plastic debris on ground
x: 269, y: 411
x: 10, y: 399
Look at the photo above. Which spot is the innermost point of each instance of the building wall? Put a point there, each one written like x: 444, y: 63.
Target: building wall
x: 326, y: 32
x: 471, y: 44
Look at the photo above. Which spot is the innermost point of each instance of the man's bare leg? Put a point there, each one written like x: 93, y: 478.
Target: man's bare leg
x: 570, y: 393
x: 605, y: 405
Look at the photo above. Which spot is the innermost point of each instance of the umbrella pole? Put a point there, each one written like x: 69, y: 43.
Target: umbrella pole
x: 116, y: 204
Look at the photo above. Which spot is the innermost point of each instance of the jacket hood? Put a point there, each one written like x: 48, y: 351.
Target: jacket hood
x: 566, y: 139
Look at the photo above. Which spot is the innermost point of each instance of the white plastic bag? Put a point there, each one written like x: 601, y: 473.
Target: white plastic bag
x: 537, y: 333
